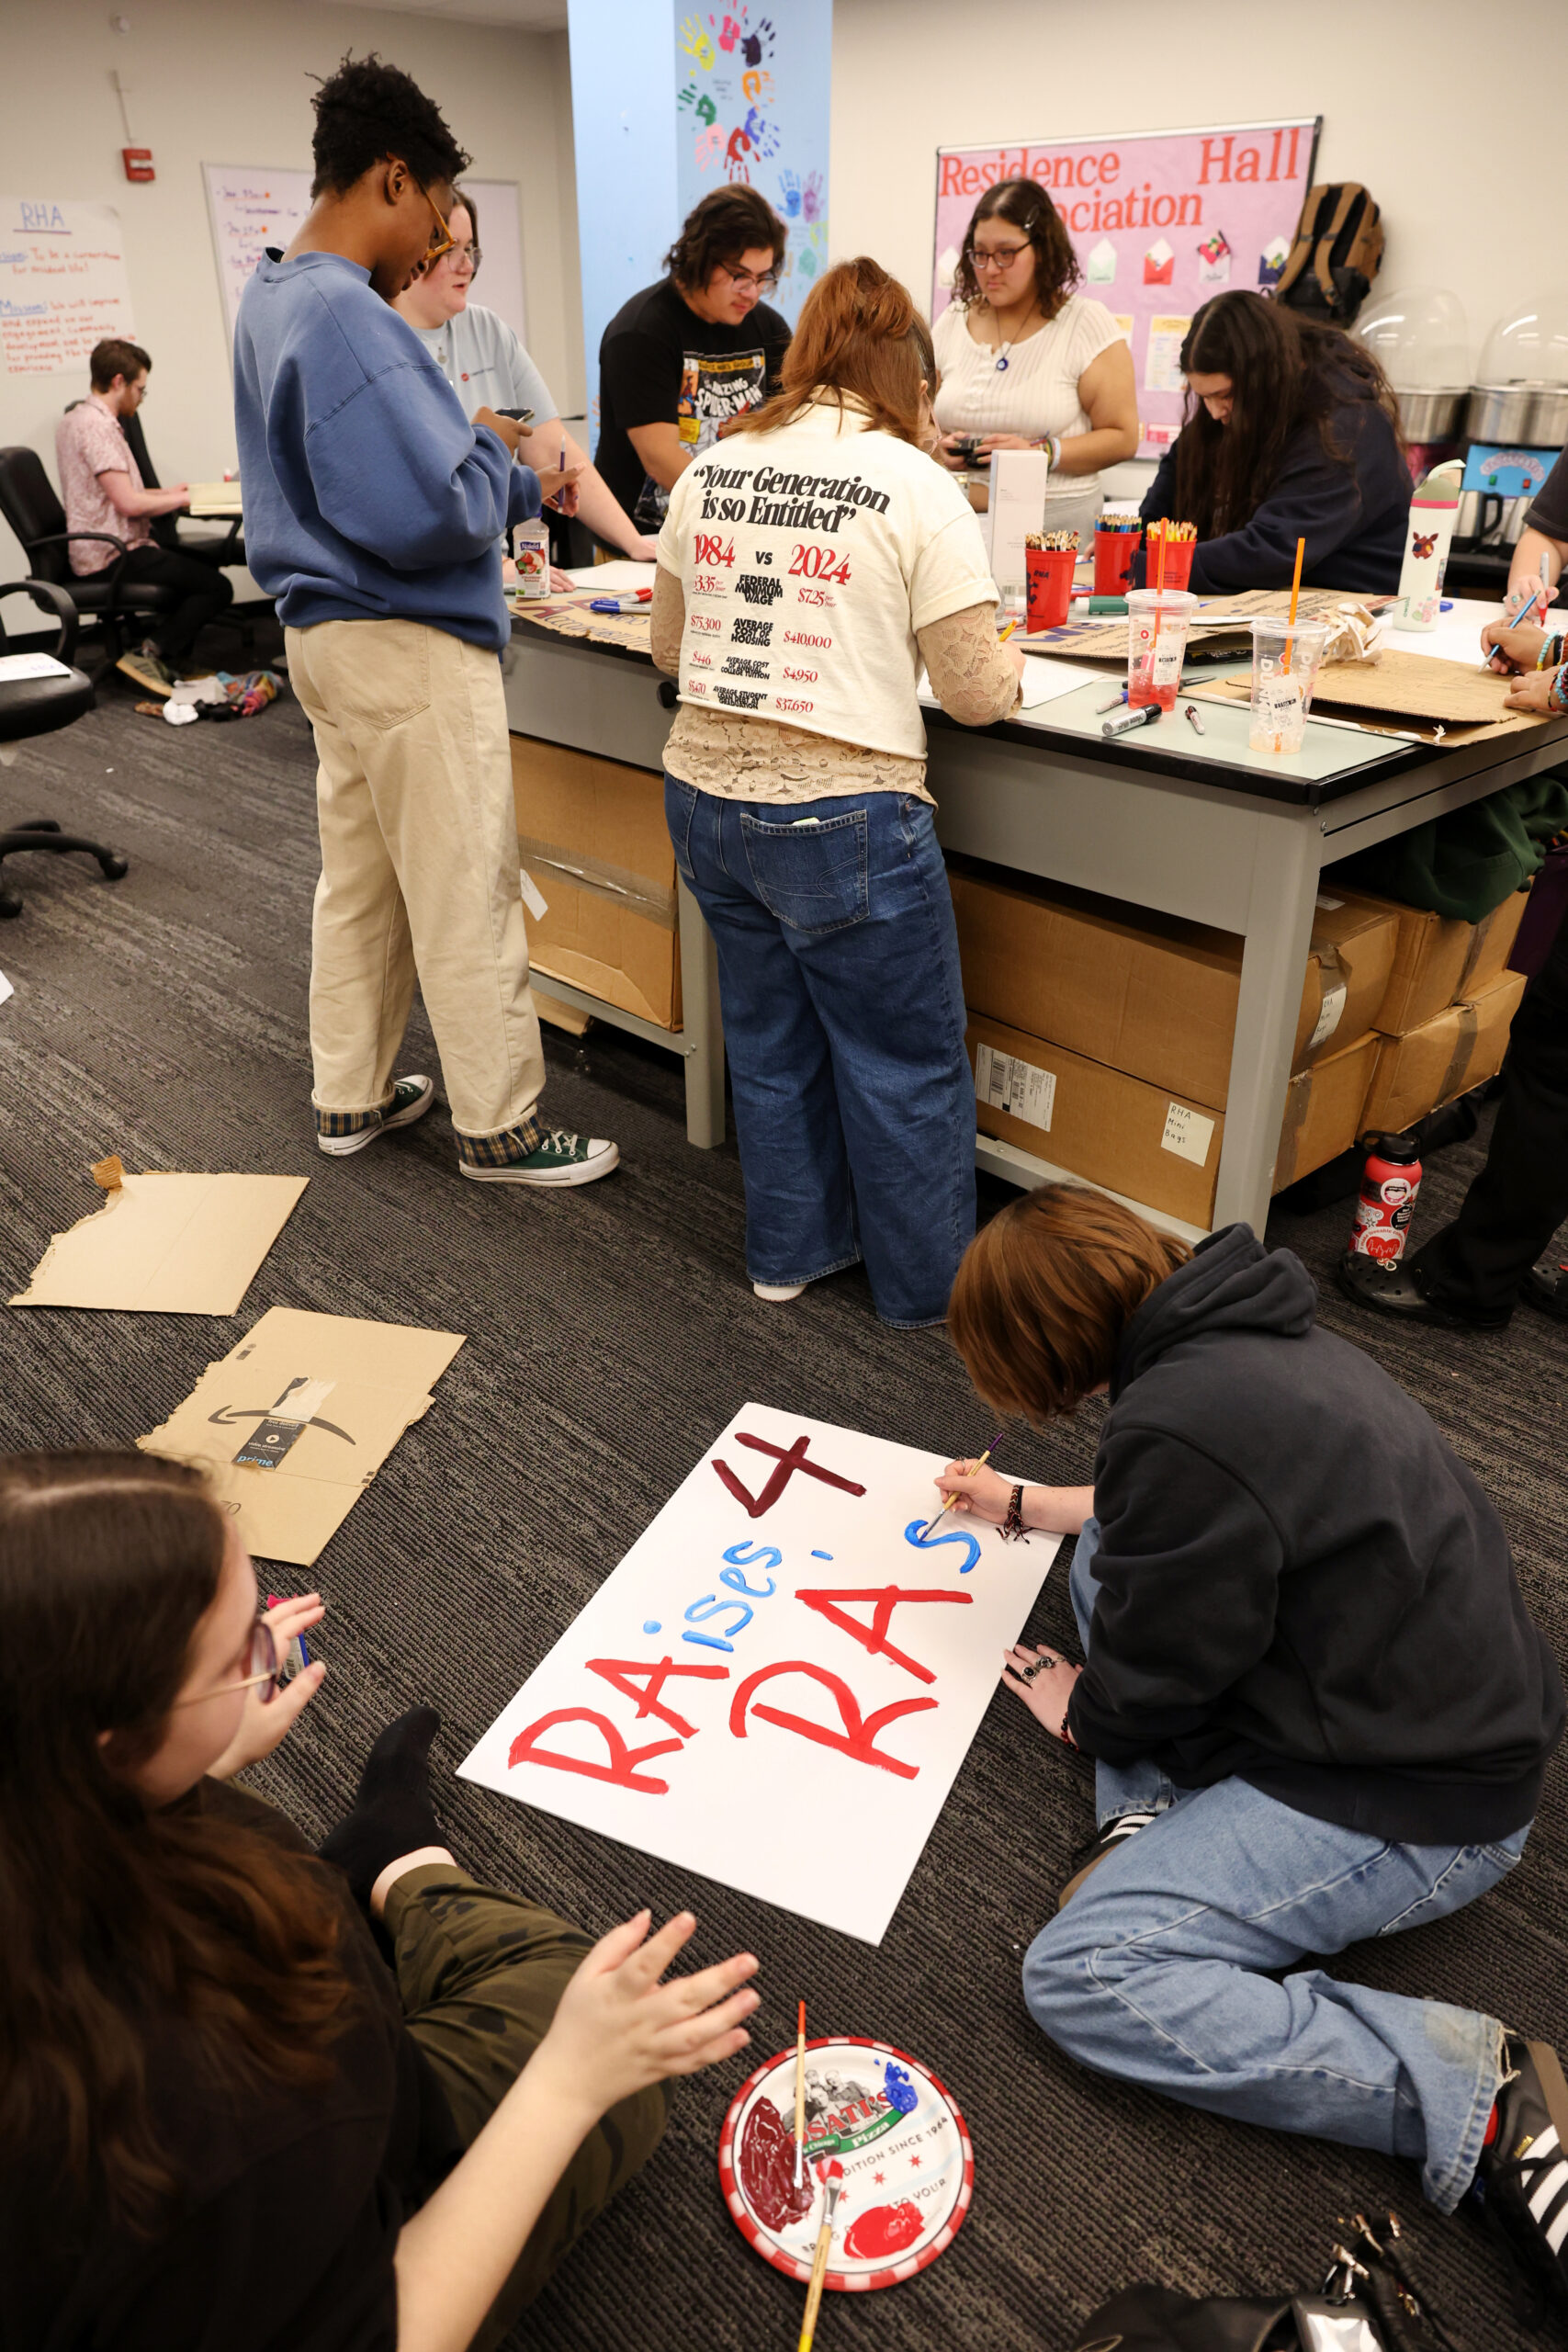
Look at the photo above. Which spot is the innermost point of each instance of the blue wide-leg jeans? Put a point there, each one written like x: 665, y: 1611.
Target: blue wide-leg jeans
x: 844, y: 1024
x: 1153, y: 1971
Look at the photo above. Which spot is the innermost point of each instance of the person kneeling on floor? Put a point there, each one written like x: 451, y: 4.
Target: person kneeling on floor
x: 1318, y: 1707
x: 224, y: 2120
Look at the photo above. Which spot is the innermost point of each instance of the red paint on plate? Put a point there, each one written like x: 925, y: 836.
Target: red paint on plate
x: 886, y: 2229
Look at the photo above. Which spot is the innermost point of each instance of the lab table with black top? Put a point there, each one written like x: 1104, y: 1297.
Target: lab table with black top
x: 1195, y: 826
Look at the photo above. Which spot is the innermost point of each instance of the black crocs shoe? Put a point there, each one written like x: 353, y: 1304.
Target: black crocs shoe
x: 1105, y: 1841
x: 1545, y: 1287
x: 1522, y: 2179
x: 1400, y: 1291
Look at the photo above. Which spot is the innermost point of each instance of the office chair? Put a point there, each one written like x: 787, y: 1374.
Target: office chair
x: 37, y: 706
x: 122, y: 609
x: 212, y: 547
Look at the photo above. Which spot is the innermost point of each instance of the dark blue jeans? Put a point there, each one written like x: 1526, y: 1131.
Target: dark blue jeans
x: 843, y: 1022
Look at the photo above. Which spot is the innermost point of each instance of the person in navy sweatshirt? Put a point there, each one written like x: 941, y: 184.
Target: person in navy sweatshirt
x: 1292, y: 433
x: 374, y: 513
x: 1318, y: 1707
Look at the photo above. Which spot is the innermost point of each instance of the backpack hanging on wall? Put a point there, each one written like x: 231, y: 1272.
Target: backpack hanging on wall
x: 1338, y: 253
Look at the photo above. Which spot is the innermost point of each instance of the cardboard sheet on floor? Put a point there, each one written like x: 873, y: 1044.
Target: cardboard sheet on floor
x: 778, y: 1684
x: 165, y: 1244
x: 295, y: 1421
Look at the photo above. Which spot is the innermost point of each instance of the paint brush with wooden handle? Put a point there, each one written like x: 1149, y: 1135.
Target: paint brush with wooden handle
x: 833, y: 2178
x: 947, y: 1506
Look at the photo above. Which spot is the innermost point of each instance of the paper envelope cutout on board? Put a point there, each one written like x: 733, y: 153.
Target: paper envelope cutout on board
x: 1271, y: 261
x: 1158, y: 264
x: 295, y: 1421
x: 1101, y: 270
x: 165, y: 1244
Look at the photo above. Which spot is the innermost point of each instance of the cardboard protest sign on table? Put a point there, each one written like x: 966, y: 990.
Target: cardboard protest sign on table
x: 778, y: 1684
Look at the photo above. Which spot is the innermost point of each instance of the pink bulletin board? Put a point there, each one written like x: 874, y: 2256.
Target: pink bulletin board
x: 1159, y: 219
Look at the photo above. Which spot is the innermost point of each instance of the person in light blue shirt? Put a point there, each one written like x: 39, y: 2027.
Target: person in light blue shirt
x: 374, y: 514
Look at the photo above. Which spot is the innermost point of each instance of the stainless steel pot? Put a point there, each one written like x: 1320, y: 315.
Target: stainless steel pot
x: 1431, y: 416
x: 1521, y: 416
x: 1485, y: 520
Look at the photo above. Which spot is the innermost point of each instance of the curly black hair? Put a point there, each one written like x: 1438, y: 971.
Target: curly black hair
x: 369, y: 110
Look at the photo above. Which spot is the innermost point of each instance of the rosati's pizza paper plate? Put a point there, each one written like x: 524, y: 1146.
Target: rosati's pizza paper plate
x: 909, y: 2166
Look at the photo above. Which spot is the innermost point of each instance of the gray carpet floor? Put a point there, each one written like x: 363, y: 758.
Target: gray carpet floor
x: 609, y: 1333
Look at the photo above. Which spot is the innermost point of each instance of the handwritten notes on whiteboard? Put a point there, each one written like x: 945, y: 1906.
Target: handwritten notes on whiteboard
x: 63, y: 283
x: 778, y: 1684
x: 251, y: 208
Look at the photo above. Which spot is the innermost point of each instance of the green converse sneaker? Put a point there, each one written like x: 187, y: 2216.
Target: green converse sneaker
x: 146, y: 668
x: 343, y: 1132
x: 558, y: 1158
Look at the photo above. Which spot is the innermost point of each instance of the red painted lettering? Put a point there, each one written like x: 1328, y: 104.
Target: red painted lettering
x: 1247, y: 163
x: 641, y: 1680
x: 858, y: 1737
x: 778, y: 1479
x: 1220, y: 159
x: 621, y: 1770
x: 1110, y: 168
x: 1295, y: 142
x: 873, y: 1637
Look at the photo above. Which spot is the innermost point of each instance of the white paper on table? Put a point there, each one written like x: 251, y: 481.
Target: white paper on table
x: 827, y: 1811
x: 5, y: 989
x: 616, y: 579
x: 1048, y: 680
x: 15, y: 667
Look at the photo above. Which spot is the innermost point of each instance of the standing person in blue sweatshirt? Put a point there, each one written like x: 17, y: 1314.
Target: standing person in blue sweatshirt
x: 374, y: 513
x: 1292, y: 433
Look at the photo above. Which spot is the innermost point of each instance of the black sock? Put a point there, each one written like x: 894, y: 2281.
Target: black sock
x: 392, y: 1812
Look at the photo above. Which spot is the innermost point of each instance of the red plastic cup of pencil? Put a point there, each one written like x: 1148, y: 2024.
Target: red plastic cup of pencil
x: 1180, y: 541
x: 1116, y: 541
x: 1048, y: 560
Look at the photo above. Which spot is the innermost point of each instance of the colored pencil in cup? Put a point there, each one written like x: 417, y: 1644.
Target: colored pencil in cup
x: 833, y: 2177
x: 1008, y: 631
x: 800, y: 2096
x: 968, y: 1473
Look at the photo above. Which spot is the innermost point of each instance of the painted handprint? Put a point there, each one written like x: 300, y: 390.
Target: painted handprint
x: 703, y: 107
x: 728, y: 33
x: 765, y: 139
x: 735, y: 156
x: 759, y: 44
x: 758, y: 87
x: 697, y: 43
x: 811, y: 200
x: 709, y: 146
x: 790, y: 195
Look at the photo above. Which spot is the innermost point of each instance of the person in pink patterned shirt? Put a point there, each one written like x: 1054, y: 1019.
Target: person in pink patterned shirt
x: 102, y: 491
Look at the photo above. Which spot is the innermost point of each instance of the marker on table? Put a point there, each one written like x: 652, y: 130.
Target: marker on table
x: 1194, y: 720
x: 1131, y: 719
x: 627, y: 604
x: 1008, y: 631
x: 1114, y: 704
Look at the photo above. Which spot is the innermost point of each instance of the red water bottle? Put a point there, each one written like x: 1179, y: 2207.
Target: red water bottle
x: 1390, y: 1182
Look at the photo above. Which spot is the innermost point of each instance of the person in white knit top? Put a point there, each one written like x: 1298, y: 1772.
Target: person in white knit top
x: 1027, y: 363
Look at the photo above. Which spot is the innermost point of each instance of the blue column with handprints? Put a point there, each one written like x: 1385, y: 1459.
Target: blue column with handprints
x: 752, y: 85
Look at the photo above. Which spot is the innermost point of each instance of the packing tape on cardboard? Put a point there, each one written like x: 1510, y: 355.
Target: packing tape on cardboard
x: 1454, y: 1077
x: 1478, y: 941
x: 1336, y: 990
x: 1298, y: 1098
x: 635, y: 892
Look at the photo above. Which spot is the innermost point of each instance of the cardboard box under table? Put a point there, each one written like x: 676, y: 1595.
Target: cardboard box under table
x: 592, y: 835
x: 1148, y: 994
x: 1459, y: 1048
x: 1438, y: 959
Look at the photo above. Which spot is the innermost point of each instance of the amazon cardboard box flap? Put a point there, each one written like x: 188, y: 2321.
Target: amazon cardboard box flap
x: 165, y: 1244
x: 296, y: 1418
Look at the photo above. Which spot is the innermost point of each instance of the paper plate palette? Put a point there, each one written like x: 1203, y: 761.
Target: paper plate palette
x: 909, y: 2166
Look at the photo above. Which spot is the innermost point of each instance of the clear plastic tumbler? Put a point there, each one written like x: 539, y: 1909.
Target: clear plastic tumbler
x: 1284, y: 669
x: 1157, y: 621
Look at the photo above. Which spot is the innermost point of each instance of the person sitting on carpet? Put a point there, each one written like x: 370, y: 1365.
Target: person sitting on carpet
x: 1318, y: 1707
x: 224, y: 2120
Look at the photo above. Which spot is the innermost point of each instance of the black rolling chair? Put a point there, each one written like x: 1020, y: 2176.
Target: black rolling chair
x: 218, y: 548
x: 37, y: 706
x: 122, y: 608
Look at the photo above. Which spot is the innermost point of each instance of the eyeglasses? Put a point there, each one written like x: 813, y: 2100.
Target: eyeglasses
x: 767, y: 284
x: 266, y: 1674
x: 443, y: 244
x: 461, y: 254
x: 999, y: 256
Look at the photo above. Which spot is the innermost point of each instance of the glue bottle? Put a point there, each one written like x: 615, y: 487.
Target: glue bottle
x: 1428, y: 533
x: 1390, y: 1182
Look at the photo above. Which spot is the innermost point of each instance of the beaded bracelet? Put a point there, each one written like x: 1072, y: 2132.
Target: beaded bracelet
x: 1557, y: 692
x: 1012, y: 1525
x: 1551, y: 652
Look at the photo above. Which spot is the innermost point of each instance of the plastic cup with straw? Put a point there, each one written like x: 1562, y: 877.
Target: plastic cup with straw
x: 1295, y: 599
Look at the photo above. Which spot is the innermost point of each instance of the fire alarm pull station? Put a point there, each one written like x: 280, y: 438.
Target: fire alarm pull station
x: 138, y: 161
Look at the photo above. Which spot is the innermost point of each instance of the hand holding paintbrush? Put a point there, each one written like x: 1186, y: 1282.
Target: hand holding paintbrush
x: 834, y: 2180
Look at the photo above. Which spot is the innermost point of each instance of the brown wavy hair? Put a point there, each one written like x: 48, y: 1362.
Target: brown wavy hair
x: 1045, y: 1293
x: 859, y: 337
x: 729, y: 221
x: 120, y: 1920
x: 1285, y: 371
x: 1026, y: 205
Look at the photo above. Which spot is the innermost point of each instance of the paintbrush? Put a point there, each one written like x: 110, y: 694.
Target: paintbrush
x: 833, y: 2177
x: 968, y: 1473
x: 800, y: 2096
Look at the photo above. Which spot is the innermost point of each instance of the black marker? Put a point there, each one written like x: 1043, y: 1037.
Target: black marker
x: 1194, y: 719
x: 1128, y: 719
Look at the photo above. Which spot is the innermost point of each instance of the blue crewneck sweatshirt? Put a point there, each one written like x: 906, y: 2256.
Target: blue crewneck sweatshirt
x: 369, y: 495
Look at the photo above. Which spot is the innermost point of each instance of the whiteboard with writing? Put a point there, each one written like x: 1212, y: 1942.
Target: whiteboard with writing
x: 63, y: 283
x: 778, y: 1684
x: 252, y: 207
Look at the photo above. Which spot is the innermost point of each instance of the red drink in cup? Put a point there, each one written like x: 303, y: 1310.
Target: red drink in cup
x: 1048, y: 573
x: 1156, y: 639
x: 1114, y: 553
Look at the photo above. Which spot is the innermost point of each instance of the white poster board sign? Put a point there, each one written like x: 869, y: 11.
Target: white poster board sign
x: 63, y: 283
x: 778, y: 1684
x: 252, y: 207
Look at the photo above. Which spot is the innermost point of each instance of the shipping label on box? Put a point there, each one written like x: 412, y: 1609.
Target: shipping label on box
x: 1007, y: 1082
